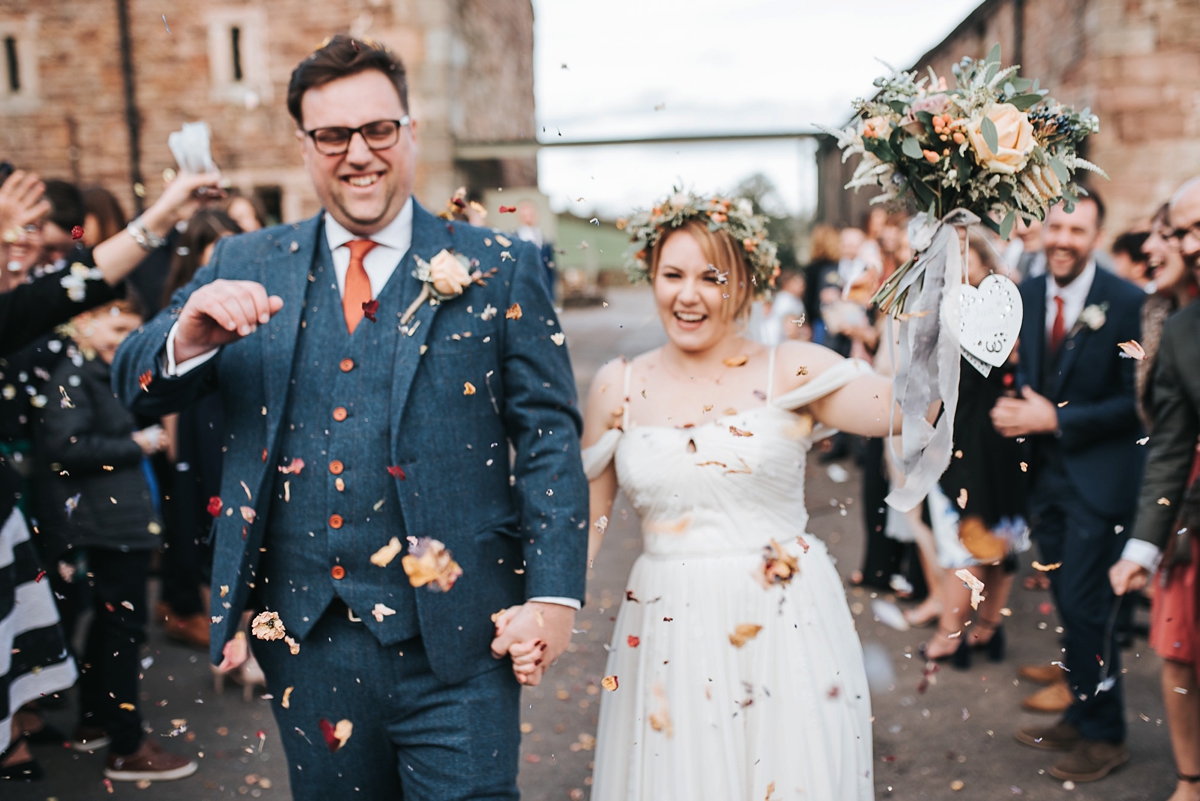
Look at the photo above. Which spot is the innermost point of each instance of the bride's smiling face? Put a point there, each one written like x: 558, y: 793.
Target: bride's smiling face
x: 691, y: 295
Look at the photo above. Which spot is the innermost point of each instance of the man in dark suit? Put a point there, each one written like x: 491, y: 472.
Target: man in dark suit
x: 376, y: 365
x: 1169, y: 509
x: 1077, y: 411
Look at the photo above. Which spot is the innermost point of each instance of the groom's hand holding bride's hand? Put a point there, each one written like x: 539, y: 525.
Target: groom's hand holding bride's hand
x: 222, y: 312
x: 533, y: 635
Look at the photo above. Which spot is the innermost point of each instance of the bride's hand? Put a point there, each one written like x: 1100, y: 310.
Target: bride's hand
x: 529, y: 660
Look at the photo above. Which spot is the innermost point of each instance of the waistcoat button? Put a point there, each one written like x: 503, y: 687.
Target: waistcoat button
x: 338, y: 572
x: 340, y: 413
x: 335, y: 521
x: 336, y: 467
x: 347, y: 365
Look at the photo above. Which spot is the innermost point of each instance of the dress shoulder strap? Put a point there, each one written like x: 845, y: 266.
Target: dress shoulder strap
x: 771, y: 373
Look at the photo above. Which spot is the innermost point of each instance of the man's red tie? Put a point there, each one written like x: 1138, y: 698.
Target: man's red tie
x: 1058, y: 331
x: 358, y: 286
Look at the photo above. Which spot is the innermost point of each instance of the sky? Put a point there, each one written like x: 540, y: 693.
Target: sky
x: 635, y: 68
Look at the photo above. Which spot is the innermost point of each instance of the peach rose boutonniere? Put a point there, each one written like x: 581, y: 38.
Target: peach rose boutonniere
x: 1013, y: 139
x: 445, y: 276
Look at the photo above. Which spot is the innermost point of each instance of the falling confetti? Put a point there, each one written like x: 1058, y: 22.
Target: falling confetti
x: 384, y: 556
x: 248, y: 513
x: 294, y: 468
x: 429, y: 563
x: 468, y: 388
x: 609, y: 683
x: 736, y: 361
x: 1132, y: 350
x: 1046, y: 568
x: 369, y: 309
x: 632, y: 641
x: 507, y: 209
x: 514, y: 312
x: 744, y: 633
x: 395, y: 471
x: 144, y: 380
x: 165, y: 25
x: 214, y: 506
x: 76, y: 232
x: 974, y: 583
x: 267, y: 626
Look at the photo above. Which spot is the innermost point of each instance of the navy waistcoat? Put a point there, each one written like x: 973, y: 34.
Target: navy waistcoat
x: 328, y: 519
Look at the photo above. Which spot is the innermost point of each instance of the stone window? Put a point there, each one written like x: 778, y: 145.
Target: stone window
x: 238, y: 60
x: 18, y: 64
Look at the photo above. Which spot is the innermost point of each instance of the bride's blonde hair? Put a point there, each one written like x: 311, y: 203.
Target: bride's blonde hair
x: 724, y: 256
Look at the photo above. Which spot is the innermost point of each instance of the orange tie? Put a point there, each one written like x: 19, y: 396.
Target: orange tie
x: 1058, y: 330
x: 358, y: 286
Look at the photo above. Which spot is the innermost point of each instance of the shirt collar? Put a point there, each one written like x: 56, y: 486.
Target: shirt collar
x: 396, y: 235
x: 1077, y: 290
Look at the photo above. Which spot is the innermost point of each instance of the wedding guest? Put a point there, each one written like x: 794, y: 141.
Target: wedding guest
x: 821, y: 277
x: 1169, y: 509
x: 786, y: 319
x: 529, y: 231
x: 1130, y: 260
x: 30, y: 310
x: 96, y: 497
x: 103, y: 216
x: 247, y: 211
x: 1077, y: 412
x: 978, y: 510
x: 1030, y: 261
x: 66, y: 212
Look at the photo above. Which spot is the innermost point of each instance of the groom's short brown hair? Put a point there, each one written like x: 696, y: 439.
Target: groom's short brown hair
x: 340, y: 57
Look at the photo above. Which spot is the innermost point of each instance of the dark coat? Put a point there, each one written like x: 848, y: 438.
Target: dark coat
x: 1172, y: 447
x: 1093, y: 387
x: 442, y: 437
x: 84, y: 448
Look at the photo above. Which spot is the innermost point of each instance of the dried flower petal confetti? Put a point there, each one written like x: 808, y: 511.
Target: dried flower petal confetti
x: 248, y: 513
x: 384, y: 556
x: 609, y: 683
x: 468, y: 388
x: 267, y: 626
x: 632, y: 642
x: 514, y: 312
x: 736, y: 361
x: 396, y: 471
x: 1046, y: 568
x: 144, y: 380
x: 975, y: 584
x: 744, y: 633
x: 428, y: 563
x: 294, y: 468
x: 369, y: 309
x: 1132, y: 350
x: 779, y: 566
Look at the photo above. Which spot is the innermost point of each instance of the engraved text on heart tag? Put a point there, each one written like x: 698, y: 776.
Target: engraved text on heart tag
x: 991, y: 319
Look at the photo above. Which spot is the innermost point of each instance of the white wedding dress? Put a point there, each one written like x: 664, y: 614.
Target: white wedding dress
x: 693, y: 717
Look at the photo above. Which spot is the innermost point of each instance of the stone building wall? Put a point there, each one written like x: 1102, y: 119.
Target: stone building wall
x: 470, y: 65
x: 1136, y: 63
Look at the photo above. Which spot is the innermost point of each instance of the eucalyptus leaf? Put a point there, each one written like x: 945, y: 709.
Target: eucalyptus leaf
x: 911, y: 147
x: 991, y: 136
x: 1023, y: 102
x: 1009, y: 89
x: 993, y: 56
x: 897, y: 106
x: 1060, y: 170
x: 1022, y: 84
x: 1006, y: 225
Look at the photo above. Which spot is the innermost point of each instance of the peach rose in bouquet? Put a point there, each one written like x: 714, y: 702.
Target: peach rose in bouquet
x: 1014, y: 139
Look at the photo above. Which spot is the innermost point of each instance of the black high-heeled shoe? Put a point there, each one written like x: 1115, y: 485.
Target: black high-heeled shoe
x: 996, y: 646
x: 27, y: 771
x: 960, y: 658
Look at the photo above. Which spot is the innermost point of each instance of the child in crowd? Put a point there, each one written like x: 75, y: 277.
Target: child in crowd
x: 96, y: 496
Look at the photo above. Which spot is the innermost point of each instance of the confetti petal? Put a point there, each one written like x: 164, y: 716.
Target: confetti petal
x: 609, y: 683
x: 384, y: 556
x: 369, y: 309
x: 1132, y: 350
x: 975, y: 584
x: 514, y: 312
x: 429, y: 563
x: 744, y: 633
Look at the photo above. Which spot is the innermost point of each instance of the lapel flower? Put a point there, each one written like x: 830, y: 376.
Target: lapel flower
x: 1094, y: 316
x: 447, y: 274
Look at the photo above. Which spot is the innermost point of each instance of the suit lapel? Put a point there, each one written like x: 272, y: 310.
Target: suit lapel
x: 285, y: 274
x: 430, y: 236
x: 1076, y: 339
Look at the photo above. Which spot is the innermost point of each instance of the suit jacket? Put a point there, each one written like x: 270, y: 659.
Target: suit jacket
x: 1093, y: 387
x: 1176, y: 406
x: 440, y: 436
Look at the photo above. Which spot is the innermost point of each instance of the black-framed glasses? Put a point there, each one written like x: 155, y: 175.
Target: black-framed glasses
x: 1179, y: 234
x: 378, y: 135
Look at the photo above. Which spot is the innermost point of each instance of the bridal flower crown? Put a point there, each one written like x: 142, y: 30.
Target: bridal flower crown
x: 735, y: 216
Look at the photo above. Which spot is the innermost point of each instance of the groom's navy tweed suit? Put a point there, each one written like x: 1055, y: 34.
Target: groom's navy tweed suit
x: 1084, y: 482
x: 435, y: 716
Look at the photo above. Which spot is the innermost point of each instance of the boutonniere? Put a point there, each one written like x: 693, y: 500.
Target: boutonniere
x: 445, y: 277
x: 75, y: 281
x: 1094, y: 316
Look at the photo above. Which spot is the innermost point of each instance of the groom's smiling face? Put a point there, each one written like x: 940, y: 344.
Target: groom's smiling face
x: 363, y: 189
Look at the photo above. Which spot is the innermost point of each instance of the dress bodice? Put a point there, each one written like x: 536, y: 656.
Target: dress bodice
x: 727, y: 486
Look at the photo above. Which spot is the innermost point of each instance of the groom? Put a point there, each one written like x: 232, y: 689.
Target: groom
x: 366, y: 427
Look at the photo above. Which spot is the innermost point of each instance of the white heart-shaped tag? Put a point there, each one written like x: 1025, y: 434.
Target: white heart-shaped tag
x: 991, y: 319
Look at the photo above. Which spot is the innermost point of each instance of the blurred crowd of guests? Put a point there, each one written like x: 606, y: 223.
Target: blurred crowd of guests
x: 97, y: 500
x: 1049, y: 451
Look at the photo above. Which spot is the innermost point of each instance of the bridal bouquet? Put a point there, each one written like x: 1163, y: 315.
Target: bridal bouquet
x: 995, y: 146
x: 993, y: 149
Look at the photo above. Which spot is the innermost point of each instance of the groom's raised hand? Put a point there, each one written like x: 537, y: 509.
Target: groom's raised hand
x: 534, y: 635
x: 219, y: 313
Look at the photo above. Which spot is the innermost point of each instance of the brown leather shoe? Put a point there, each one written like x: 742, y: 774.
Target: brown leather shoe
x: 1091, y: 760
x: 149, y: 763
x: 1053, y: 699
x: 1062, y: 736
x: 191, y: 630
x: 1042, y: 674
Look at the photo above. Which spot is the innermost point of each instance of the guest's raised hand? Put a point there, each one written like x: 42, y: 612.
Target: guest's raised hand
x: 182, y: 198
x: 222, y: 312
x: 21, y: 203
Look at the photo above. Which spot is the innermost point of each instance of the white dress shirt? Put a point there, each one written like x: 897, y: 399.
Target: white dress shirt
x: 1074, y: 296
x: 392, y: 243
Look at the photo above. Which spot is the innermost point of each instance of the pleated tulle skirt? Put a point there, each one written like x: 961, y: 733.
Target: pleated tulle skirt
x: 710, y: 708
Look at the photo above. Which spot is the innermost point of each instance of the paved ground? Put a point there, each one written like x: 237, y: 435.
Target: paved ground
x: 960, y: 730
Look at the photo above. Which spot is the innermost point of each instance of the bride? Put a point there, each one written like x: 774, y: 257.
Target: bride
x: 735, y: 670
